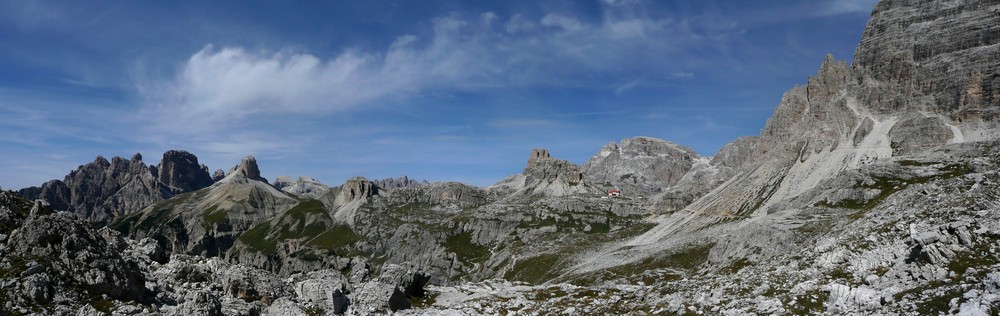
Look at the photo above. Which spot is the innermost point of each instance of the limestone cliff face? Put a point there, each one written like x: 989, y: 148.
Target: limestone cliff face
x: 102, y: 190
x: 545, y: 176
x: 640, y: 165
x: 542, y: 167
x: 181, y: 172
x: 941, y: 57
x: 304, y: 186
x: 925, y: 75
x: 936, y: 66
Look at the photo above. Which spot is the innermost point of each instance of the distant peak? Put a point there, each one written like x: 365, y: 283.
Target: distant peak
x: 248, y: 167
x: 539, y: 153
x: 101, y: 161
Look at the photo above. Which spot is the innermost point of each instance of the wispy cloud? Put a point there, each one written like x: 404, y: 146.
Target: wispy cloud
x: 222, y: 90
x: 518, y: 123
x: 847, y: 6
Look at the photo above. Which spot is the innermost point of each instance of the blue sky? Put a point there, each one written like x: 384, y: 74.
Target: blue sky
x: 437, y: 90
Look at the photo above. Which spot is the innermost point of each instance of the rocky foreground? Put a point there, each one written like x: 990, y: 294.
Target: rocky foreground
x: 873, y: 189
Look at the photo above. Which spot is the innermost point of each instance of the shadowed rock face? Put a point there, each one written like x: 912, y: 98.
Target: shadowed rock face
x: 181, y: 171
x: 103, y: 190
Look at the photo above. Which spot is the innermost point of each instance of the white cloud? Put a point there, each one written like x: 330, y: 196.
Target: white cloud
x: 488, y: 18
x: 568, y: 24
x: 848, y: 6
x: 518, y: 23
x: 224, y: 91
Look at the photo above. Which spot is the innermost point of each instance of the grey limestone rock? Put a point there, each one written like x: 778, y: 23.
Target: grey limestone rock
x: 180, y: 171
x: 102, y: 190
x: 304, y: 186
x: 358, y: 188
x: 218, y: 175
x: 641, y: 165
x: 248, y: 169
x: 542, y: 167
x: 401, y: 182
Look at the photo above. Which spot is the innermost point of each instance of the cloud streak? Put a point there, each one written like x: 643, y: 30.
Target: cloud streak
x: 218, y: 87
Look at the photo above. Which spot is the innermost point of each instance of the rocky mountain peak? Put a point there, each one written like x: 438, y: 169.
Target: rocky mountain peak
x: 102, y: 190
x: 218, y: 175
x: 102, y: 162
x: 304, y: 186
x: 181, y: 171
x: 358, y: 188
x: 536, y: 155
x: 541, y: 166
x: 639, y: 164
x: 401, y: 182
x: 248, y: 168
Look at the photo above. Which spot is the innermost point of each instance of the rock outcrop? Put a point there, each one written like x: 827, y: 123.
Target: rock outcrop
x: 401, y: 182
x: 546, y: 176
x: 180, y: 171
x: 248, y: 169
x: 640, y: 165
x: 304, y: 186
x: 55, y: 258
x: 218, y: 175
x: 542, y: 167
x: 102, y: 191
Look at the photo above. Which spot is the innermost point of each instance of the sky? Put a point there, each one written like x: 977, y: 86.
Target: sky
x: 437, y: 90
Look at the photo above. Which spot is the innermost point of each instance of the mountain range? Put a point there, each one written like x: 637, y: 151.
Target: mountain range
x: 872, y: 189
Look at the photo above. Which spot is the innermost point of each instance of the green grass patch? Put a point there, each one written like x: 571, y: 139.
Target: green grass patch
x: 809, y: 303
x: 978, y: 257
x: 304, y: 208
x: 335, y: 237
x: 102, y: 305
x: 465, y: 249
x: 681, y: 259
x: 423, y: 302
x: 214, y: 216
x: 735, y: 266
x: 535, y: 270
x: 15, y: 268
x: 256, y: 239
x: 840, y: 273
x: 888, y: 186
x: 314, y: 311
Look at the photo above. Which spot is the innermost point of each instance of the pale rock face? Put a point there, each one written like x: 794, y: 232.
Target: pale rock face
x: 640, y: 165
x: 247, y: 169
x: 545, y: 176
x: 542, y: 167
x: 398, y: 183
x: 304, y: 186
